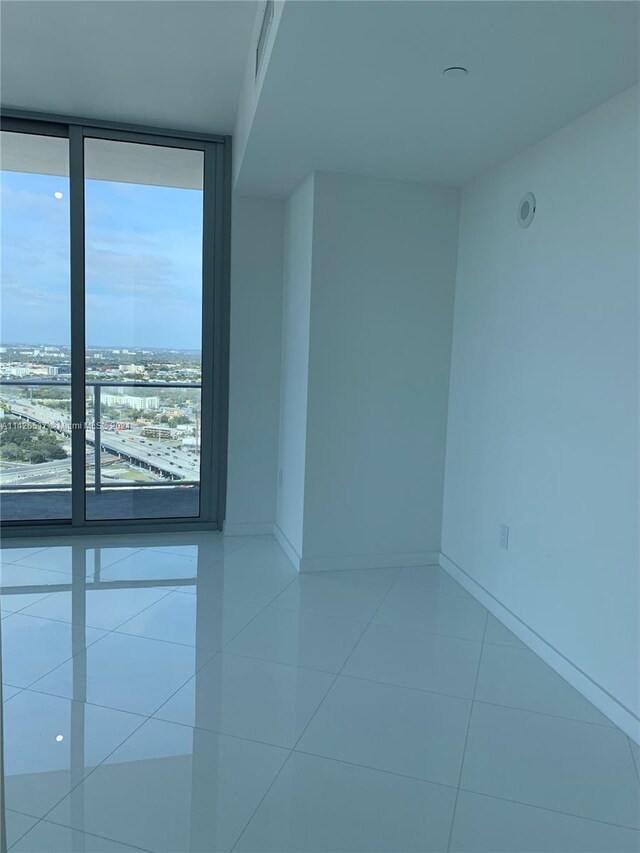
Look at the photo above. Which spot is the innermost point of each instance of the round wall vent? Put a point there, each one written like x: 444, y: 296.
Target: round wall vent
x: 526, y: 210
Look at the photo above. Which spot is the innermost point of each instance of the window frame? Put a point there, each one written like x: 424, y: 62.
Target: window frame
x: 215, y: 318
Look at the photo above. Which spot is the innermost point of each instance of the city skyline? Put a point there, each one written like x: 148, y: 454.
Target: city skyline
x: 123, y: 348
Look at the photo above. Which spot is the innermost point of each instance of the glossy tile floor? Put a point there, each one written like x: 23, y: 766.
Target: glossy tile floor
x: 196, y: 694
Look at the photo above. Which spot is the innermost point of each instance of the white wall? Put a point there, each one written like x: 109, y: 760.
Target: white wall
x: 543, y: 417
x: 296, y: 298
x: 381, y: 313
x: 254, y: 381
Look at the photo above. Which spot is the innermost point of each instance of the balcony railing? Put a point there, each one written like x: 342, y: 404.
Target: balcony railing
x: 112, y: 440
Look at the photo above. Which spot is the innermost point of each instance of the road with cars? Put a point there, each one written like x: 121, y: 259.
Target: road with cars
x: 162, y: 457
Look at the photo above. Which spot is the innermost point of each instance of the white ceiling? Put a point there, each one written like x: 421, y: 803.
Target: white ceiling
x: 176, y: 64
x: 358, y: 86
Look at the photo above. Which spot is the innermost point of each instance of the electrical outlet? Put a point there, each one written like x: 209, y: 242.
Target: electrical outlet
x: 280, y: 478
x: 504, y: 537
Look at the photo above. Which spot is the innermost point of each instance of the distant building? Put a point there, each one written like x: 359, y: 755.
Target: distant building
x: 130, y: 401
x: 156, y: 432
x: 131, y: 368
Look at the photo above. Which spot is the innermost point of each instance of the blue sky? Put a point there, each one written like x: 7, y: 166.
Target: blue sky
x: 143, y: 263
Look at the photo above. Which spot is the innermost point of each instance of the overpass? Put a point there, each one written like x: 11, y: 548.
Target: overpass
x: 162, y: 459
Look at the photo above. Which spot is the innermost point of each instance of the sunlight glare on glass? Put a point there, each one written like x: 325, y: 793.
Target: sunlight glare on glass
x: 57, y: 195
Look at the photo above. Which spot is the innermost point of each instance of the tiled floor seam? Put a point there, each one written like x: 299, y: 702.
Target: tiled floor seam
x: 219, y: 651
x: 394, y: 773
x: 346, y: 661
x: 144, y: 717
x: 58, y: 571
x: 460, y: 788
x: 323, y: 615
x: 31, y: 686
x: 22, y: 835
x: 262, y: 799
x: 633, y: 757
x: 93, y: 770
x: 115, y: 630
x: 366, y: 625
x: 90, y: 834
x: 106, y: 633
x: 134, y: 552
x: 45, y: 595
x: 429, y: 633
x: 466, y: 738
x: 66, y: 660
x: 22, y: 814
x: 480, y: 701
x: 97, y: 627
x: 554, y: 811
x: 329, y: 689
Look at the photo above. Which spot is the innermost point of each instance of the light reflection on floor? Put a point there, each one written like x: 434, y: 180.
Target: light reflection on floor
x: 194, y: 693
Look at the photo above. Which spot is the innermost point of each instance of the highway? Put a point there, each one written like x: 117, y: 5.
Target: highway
x: 24, y: 472
x: 162, y: 457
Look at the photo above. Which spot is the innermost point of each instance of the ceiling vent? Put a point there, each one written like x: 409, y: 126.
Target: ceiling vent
x: 265, y: 27
x: 526, y: 210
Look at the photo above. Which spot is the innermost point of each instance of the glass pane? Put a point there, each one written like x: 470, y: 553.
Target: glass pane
x: 143, y: 208
x: 35, y: 356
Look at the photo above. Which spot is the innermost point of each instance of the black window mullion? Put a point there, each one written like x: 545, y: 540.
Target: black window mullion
x: 76, y: 205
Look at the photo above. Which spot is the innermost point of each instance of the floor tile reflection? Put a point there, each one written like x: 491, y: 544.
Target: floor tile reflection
x: 174, y: 619
x: 14, y: 602
x: 199, y: 789
x: 151, y: 565
x: 32, y: 647
x: 61, y: 558
x: 54, y: 744
x: 17, y: 825
x: 105, y: 608
x: 10, y: 554
x: 194, y: 693
x: 8, y: 692
x: 126, y: 673
x: 49, y: 837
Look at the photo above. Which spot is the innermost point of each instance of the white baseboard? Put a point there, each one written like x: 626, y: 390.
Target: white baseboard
x: 618, y: 713
x: 368, y: 561
x: 353, y: 561
x: 287, y: 547
x: 242, y: 529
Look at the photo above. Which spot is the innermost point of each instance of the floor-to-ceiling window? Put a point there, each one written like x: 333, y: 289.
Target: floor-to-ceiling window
x: 111, y: 341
